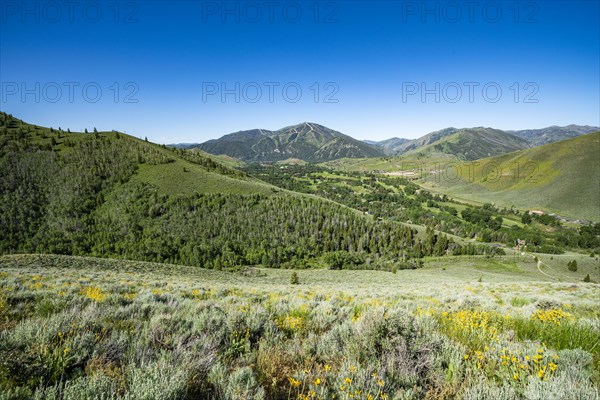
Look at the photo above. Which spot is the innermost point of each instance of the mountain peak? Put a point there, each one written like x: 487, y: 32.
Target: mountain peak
x: 305, y: 126
x: 307, y: 141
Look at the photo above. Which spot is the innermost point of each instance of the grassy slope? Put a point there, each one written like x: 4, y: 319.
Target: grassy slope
x: 560, y: 177
x: 185, y: 177
x: 231, y: 162
x: 171, y: 179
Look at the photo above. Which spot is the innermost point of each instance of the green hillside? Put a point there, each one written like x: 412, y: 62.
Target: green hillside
x: 108, y: 194
x: 560, y: 177
x: 115, y: 153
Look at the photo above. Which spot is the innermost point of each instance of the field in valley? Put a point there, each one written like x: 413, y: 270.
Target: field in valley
x: 461, y: 327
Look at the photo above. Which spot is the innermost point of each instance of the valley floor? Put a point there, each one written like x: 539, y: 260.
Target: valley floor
x: 459, y: 328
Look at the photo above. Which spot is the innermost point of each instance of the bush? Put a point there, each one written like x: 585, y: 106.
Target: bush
x: 572, y: 265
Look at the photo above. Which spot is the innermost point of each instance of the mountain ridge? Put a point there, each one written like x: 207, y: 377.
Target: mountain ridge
x: 466, y: 144
x: 535, y: 137
x: 312, y: 142
x: 554, y: 133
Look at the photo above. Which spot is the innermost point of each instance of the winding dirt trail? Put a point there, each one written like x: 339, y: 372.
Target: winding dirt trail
x: 539, y: 267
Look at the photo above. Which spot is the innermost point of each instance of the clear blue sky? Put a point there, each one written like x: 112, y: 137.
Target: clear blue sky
x: 161, y: 66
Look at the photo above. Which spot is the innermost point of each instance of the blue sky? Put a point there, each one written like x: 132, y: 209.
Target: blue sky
x: 184, y: 71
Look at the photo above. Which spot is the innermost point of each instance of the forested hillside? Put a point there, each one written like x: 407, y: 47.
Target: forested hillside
x: 111, y: 195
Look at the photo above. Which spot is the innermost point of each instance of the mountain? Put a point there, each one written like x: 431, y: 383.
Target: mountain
x: 388, y: 146
x: 465, y: 144
x: 534, y: 137
x: 424, y: 140
x: 560, y: 177
x: 307, y: 141
x: 396, y: 146
x: 538, y: 137
x: 107, y: 194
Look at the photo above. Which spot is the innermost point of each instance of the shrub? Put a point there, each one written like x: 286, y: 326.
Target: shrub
x: 572, y: 265
x: 244, y: 385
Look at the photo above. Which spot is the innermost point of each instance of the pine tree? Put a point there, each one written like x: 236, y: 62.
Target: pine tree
x: 294, y: 280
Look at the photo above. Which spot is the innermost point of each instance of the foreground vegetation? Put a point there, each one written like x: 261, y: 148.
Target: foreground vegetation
x: 83, y: 328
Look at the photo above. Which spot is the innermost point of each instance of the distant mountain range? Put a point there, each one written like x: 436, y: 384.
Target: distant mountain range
x: 389, y: 146
x: 538, y: 137
x: 316, y: 143
x: 499, y: 142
